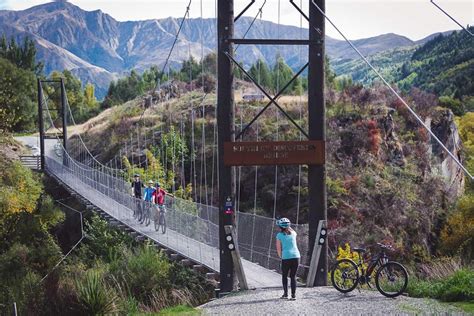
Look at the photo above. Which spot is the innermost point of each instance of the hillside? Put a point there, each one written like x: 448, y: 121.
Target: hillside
x: 444, y: 65
x: 388, y: 63
x: 97, y: 48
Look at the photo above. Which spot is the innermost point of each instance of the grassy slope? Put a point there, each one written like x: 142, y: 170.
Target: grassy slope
x: 444, y: 65
x: 387, y: 63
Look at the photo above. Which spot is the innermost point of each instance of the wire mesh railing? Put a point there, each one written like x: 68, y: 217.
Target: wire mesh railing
x: 192, y: 228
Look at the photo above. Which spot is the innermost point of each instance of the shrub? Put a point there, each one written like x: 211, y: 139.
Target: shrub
x: 458, y: 234
x: 347, y: 253
x: 103, y: 242
x: 94, y: 295
x: 142, y: 273
x: 457, y: 287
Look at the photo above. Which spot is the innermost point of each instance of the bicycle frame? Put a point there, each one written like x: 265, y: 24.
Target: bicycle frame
x: 373, y: 262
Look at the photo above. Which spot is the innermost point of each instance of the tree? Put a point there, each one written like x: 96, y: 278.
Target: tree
x: 454, y: 104
x: 190, y: 69
x: 328, y: 72
x: 17, y: 98
x: 23, y: 57
x: 261, y: 73
x: 209, y: 63
x: 282, y: 74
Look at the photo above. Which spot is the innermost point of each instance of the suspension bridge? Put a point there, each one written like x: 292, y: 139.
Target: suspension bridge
x: 196, y: 229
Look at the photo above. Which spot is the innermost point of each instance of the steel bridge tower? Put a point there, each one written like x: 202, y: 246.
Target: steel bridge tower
x: 226, y: 128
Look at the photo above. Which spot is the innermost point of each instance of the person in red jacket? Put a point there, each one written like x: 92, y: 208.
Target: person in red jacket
x: 159, y: 197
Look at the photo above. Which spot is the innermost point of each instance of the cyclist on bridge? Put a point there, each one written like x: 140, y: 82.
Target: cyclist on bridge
x: 159, y: 200
x: 137, y: 186
x: 159, y: 197
x: 148, y: 197
x: 287, y: 250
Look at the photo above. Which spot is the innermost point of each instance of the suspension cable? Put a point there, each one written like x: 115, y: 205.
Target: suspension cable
x: 298, y: 198
x: 417, y: 117
x: 186, y: 14
x: 259, y: 13
x: 452, y: 18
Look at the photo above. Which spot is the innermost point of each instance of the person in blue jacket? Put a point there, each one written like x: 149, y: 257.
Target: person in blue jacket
x: 287, y: 250
x: 148, y: 197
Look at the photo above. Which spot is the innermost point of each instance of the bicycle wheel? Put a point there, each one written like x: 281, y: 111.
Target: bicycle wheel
x: 163, y: 222
x: 345, y: 275
x: 391, y: 279
x: 148, y: 217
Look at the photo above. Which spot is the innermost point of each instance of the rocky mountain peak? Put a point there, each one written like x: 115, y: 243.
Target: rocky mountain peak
x: 96, y: 39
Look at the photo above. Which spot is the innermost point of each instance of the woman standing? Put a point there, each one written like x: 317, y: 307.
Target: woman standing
x: 288, y: 251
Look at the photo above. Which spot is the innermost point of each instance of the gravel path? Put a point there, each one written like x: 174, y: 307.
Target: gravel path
x: 324, y: 301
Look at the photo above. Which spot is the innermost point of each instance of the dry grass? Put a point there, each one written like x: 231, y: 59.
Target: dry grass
x: 441, y: 268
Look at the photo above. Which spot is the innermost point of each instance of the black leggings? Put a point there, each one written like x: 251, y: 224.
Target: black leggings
x: 289, y: 266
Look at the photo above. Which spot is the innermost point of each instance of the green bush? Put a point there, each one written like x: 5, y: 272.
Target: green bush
x: 94, y: 295
x: 143, y: 272
x: 104, y: 243
x: 457, y: 287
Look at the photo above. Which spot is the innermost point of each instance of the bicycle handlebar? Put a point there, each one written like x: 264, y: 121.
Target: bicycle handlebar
x: 389, y: 247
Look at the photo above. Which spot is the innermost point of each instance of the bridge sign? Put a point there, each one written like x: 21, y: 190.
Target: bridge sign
x: 274, y: 153
x: 229, y: 206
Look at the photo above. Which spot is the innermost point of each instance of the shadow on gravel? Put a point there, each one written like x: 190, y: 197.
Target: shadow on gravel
x: 247, y: 302
x: 336, y: 297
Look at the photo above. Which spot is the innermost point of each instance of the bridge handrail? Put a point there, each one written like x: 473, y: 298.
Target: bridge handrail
x: 197, y: 229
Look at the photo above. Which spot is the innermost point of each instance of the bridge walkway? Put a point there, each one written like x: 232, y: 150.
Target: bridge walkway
x: 204, y: 254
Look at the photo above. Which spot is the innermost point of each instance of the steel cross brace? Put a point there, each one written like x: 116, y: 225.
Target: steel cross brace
x: 272, y: 99
x: 304, y: 15
x: 244, y: 10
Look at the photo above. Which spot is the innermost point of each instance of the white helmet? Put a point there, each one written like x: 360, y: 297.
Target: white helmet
x: 284, y: 222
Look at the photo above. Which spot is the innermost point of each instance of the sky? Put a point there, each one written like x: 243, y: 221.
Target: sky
x: 414, y: 19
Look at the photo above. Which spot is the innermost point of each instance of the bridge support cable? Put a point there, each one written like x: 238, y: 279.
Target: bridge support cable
x: 452, y: 18
x: 83, y: 236
x: 298, y: 198
x: 259, y: 13
x: 277, y: 126
x: 397, y: 95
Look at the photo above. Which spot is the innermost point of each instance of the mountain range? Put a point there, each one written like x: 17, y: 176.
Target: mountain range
x: 97, y: 48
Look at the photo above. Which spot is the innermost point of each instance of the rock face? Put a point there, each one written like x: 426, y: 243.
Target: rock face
x: 98, y: 48
x: 443, y: 126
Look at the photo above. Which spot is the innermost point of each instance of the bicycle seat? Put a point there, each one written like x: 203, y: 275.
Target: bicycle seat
x: 359, y: 249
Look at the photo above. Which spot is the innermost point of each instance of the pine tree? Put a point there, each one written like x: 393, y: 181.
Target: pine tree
x: 282, y: 74
x: 261, y: 73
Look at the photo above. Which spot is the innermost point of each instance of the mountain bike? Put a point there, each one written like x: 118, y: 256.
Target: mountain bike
x: 160, y: 219
x: 146, y: 214
x: 391, y: 278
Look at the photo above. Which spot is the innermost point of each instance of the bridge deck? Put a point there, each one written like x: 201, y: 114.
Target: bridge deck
x: 257, y: 276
